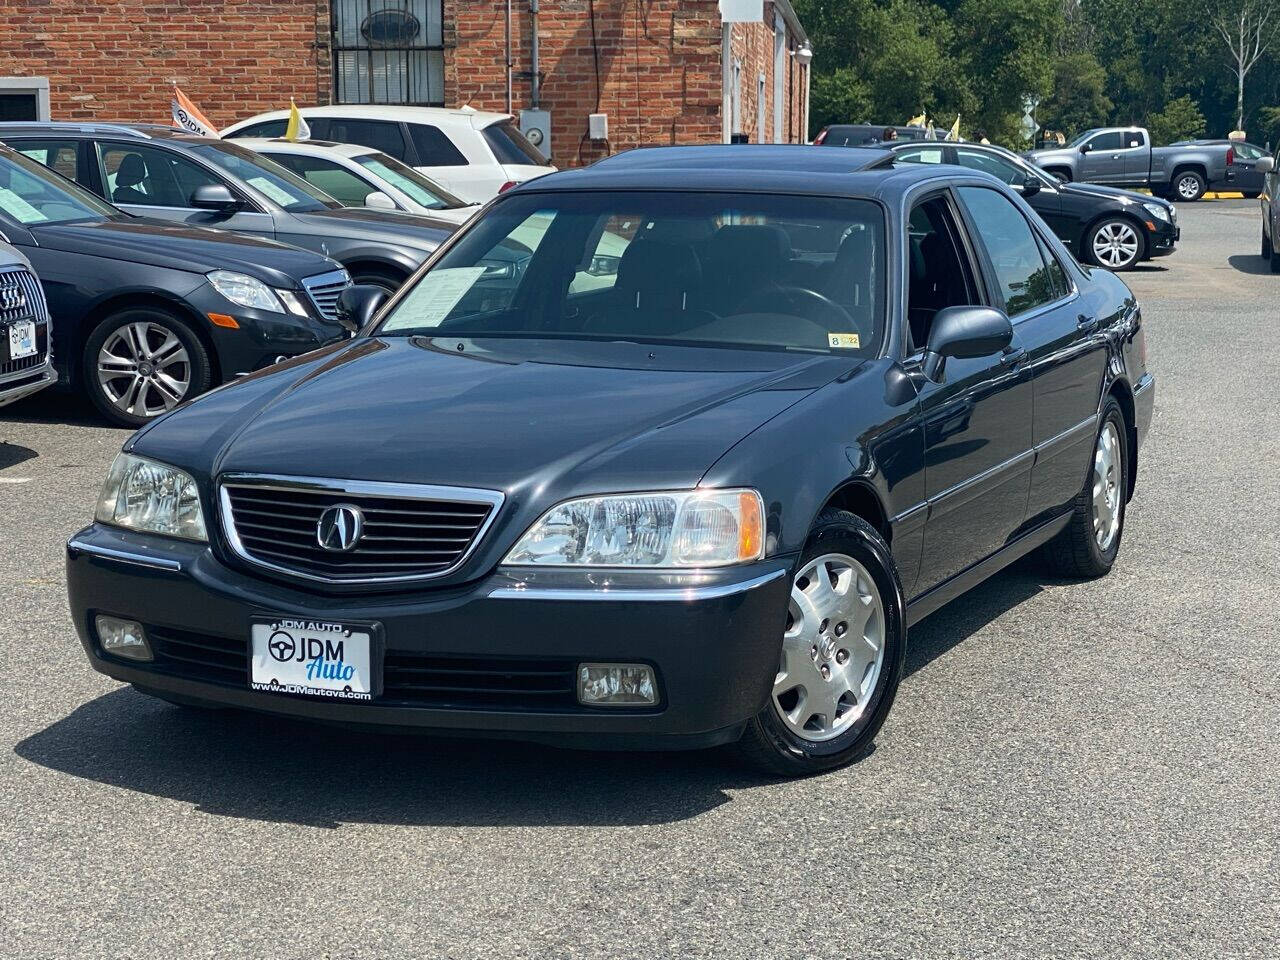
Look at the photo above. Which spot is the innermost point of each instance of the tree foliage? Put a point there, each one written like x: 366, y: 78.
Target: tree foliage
x: 1181, y: 119
x: 1092, y: 62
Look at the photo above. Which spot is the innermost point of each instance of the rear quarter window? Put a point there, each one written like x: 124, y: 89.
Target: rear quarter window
x: 434, y: 148
x: 511, y: 146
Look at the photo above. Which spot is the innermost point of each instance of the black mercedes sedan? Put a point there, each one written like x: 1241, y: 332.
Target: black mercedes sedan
x: 1113, y: 228
x: 146, y: 314
x: 687, y: 494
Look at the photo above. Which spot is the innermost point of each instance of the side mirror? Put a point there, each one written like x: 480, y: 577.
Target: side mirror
x: 1030, y: 186
x: 357, y: 304
x: 215, y: 196
x: 1265, y: 165
x: 963, y: 332
x: 1085, y: 148
x: 380, y: 201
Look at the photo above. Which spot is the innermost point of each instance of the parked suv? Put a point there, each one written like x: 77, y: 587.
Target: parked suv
x: 147, y: 314
x: 26, y: 362
x: 1112, y: 228
x: 473, y: 154
x: 160, y: 172
x: 1124, y: 157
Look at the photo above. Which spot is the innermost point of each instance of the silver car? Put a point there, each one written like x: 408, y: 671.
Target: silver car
x: 26, y: 359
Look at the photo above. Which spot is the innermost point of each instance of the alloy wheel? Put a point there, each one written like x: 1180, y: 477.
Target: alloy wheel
x: 1115, y: 244
x: 1106, y: 486
x: 1188, y: 187
x: 144, y: 369
x: 832, y: 650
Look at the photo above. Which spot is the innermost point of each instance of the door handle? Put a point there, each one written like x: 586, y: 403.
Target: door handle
x: 1013, y: 356
x: 1087, y: 324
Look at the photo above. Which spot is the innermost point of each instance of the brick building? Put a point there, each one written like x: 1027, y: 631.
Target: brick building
x: 662, y: 71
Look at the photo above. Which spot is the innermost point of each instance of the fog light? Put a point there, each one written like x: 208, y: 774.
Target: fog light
x: 616, y: 684
x: 123, y: 638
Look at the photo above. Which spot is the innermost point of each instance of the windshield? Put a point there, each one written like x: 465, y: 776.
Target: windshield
x: 511, y: 146
x: 707, y: 269
x: 409, y: 181
x: 280, y: 186
x: 32, y: 194
x: 1084, y: 136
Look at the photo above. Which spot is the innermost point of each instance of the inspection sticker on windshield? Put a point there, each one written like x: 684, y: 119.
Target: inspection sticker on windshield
x: 18, y: 208
x: 844, y: 341
x: 315, y: 659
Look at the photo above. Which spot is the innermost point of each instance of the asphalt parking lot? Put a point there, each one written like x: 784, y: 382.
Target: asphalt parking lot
x: 1070, y: 770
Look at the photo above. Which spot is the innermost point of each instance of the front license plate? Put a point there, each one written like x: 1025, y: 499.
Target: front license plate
x: 315, y: 658
x: 22, y: 340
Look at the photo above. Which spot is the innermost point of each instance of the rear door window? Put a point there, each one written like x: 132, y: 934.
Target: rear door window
x: 58, y: 155
x: 333, y: 178
x: 379, y: 134
x: 434, y: 148
x: 511, y: 146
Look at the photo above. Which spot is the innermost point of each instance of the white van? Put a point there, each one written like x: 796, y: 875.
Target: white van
x: 471, y: 153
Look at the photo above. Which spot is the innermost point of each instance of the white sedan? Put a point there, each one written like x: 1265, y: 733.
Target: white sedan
x: 358, y: 176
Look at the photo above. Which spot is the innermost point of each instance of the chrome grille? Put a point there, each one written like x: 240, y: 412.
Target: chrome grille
x: 411, y: 532
x: 21, y: 298
x: 323, y: 289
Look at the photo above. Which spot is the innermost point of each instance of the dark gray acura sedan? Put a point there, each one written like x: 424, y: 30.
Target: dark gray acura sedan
x: 662, y: 453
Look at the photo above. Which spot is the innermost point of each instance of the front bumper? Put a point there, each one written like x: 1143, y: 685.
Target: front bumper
x: 1144, y: 405
x: 713, y: 640
x: 20, y: 385
x: 1163, y: 240
x: 263, y: 336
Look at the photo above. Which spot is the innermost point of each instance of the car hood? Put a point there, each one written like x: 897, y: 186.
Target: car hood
x: 191, y: 249
x: 420, y: 231
x: 1061, y: 153
x: 536, y: 419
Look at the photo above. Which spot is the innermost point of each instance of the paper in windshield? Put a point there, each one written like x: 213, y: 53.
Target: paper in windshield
x: 435, y: 296
x: 272, y: 190
x: 19, y: 209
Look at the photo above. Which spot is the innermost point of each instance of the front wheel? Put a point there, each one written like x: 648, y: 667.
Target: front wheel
x: 1088, y: 546
x: 1116, y: 244
x: 841, y: 655
x: 1189, y: 185
x: 141, y: 363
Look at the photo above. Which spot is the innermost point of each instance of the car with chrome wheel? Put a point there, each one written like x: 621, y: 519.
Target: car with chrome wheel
x: 147, y: 315
x: 692, y: 496
x: 26, y: 361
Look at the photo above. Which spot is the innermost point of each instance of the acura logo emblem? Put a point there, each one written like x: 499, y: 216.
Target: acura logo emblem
x: 340, y: 528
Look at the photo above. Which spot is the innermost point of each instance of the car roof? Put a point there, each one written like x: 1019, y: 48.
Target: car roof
x: 306, y: 146
x: 370, y: 111
x: 142, y: 131
x: 779, y: 168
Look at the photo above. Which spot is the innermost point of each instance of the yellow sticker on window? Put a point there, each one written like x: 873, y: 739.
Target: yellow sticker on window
x: 844, y: 341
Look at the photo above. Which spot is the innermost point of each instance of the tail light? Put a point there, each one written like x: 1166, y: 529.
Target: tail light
x: 822, y: 135
x: 1231, y: 155
x: 507, y: 186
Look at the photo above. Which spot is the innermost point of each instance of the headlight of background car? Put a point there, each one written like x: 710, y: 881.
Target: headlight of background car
x: 245, y: 291
x: 151, y: 497
x: 695, y: 528
x: 1157, y: 211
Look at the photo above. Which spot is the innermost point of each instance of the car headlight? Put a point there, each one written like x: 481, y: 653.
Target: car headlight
x: 245, y: 291
x: 151, y: 497
x: 293, y: 303
x: 694, y: 528
x: 1157, y: 211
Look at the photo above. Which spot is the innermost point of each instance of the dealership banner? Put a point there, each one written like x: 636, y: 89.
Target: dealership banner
x: 188, y: 116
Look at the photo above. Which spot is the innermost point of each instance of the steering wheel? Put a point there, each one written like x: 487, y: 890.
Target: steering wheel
x: 809, y: 304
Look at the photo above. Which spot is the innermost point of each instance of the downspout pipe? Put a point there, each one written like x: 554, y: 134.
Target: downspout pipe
x: 509, y: 63
x: 536, y: 79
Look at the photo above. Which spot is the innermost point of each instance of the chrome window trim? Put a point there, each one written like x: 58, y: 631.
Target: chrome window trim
x: 75, y: 544
x: 406, y: 491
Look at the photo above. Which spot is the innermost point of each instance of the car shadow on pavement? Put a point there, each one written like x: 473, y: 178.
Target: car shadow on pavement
x: 52, y: 406
x: 256, y: 767
x: 1250, y: 263
x: 12, y: 454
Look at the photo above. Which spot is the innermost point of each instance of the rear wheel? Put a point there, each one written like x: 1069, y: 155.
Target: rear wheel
x: 841, y: 655
x: 1088, y: 546
x: 1189, y: 185
x: 143, y: 362
x: 1116, y: 243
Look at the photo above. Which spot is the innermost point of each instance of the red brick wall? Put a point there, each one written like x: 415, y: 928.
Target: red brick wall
x: 659, y: 69
x: 117, y: 59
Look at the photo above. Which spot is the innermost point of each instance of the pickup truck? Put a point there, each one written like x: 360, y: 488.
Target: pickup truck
x: 1124, y: 157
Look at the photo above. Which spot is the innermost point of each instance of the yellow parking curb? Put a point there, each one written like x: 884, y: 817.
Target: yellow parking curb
x: 1223, y: 196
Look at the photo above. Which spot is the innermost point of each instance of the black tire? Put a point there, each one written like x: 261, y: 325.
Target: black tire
x: 199, y: 370
x: 1182, y: 190
x: 1140, y: 250
x: 1250, y: 194
x: 1075, y: 552
x: 1062, y: 173
x: 767, y: 744
x: 379, y: 277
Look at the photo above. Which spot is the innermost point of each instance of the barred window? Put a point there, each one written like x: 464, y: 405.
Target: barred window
x: 388, y: 51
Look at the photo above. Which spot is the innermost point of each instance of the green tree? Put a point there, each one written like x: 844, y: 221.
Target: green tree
x: 1079, y: 99
x: 1181, y: 119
